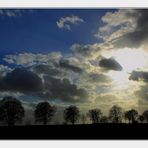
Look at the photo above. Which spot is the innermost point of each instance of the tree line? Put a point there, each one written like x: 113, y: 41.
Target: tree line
x: 12, y: 112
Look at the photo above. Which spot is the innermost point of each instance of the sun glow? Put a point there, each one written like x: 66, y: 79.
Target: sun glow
x: 120, y: 79
x: 129, y: 59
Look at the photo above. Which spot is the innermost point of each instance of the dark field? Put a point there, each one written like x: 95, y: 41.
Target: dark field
x: 97, y: 131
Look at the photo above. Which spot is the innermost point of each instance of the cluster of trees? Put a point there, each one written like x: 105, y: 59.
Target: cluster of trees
x: 12, y: 112
x: 116, y: 115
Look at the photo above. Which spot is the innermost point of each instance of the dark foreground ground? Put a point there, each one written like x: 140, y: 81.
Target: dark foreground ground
x: 98, y: 131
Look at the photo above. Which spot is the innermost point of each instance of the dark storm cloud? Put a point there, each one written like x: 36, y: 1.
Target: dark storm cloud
x: 29, y: 83
x: 110, y: 64
x: 139, y: 75
x: 21, y: 80
x: 65, y: 64
x: 139, y: 35
x: 64, y: 90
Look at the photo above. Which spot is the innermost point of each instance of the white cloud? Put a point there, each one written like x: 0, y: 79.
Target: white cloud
x: 66, y: 22
x: 29, y: 59
x: 117, y: 24
x: 4, y: 70
x: 11, y: 12
x: 89, y: 51
x: 124, y: 28
x: 10, y: 93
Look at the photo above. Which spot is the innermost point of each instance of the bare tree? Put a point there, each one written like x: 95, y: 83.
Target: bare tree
x: 11, y: 110
x: 115, y: 114
x: 71, y: 114
x: 95, y: 115
x: 44, y: 112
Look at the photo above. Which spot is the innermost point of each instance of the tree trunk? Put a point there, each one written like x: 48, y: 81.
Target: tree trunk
x: 73, y: 122
x: 10, y: 123
x: 116, y: 120
x: 45, y: 121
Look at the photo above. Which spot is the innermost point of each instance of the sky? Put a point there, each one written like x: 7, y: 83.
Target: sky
x: 85, y: 57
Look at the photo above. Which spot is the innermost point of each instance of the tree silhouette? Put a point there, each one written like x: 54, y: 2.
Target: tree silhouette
x: 95, y: 115
x: 115, y: 114
x: 44, y: 112
x: 11, y: 111
x: 141, y: 118
x: 145, y: 115
x: 71, y: 114
x: 104, y: 119
x: 127, y: 116
x: 131, y: 115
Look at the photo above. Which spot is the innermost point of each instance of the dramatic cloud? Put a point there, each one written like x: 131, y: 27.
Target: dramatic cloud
x: 64, y: 90
x: 88, y: 51
x: 140, y: 34
x: 29, y: 59
x: 85, y: 75
x: 21, y: 80
x: 128, y: 31
x: 115, y: 27
x: 65, y: 64
x: 139, y: 75
x: 110, y: 64
x: 46, y: 69
x: 66, y: 22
